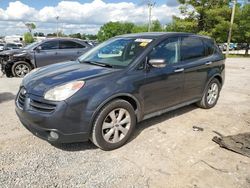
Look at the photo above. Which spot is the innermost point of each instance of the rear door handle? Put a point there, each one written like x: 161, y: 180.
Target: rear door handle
x: 179, y: 70
x: 208, y: 63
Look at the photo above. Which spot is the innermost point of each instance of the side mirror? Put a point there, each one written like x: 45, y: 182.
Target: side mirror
x: 157, y: 63
x: 38, y: 49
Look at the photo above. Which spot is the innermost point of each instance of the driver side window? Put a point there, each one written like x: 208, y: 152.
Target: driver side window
x: 167, y: 50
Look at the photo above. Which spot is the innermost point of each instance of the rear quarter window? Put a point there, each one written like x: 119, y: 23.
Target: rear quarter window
x: 210, y: 46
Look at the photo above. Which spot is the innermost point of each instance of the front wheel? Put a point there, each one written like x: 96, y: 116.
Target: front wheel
x: 20, y: 69
x: 211, y: 95
x: 114, y: 125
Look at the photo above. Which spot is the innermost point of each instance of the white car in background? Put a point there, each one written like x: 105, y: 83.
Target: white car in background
x: 1, y: 46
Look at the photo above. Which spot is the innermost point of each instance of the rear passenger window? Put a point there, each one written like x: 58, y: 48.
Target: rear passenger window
x: 69, y: 45
x: 191, y: 48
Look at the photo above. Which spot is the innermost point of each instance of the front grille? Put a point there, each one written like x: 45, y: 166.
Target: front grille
x: 41, y: 106
x: 21, y: 97
x: 33, y: 104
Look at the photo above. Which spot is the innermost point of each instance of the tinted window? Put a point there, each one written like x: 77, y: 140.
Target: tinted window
x: 167, y: 50
x: 191, y: 48
x: 210, y: 47
x: 69, y: 45
x: 50, y: 45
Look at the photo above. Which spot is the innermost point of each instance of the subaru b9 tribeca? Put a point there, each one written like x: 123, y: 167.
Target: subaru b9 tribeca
x: 119, y: 83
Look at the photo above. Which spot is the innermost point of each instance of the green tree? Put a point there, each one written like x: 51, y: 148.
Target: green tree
x: 28, y: 38
x: 139, y: 28
x: 207, y: 17
x: 156, y: 26
x: 76, y: 35
x: 30, y: 26
x: 112, y: 29
x: 243, y: 32
x: 89, y: 36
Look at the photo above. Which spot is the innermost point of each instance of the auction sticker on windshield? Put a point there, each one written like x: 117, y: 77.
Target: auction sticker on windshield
x: 143, y: 42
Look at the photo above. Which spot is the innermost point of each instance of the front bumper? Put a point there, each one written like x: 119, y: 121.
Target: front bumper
x: 61, y: 120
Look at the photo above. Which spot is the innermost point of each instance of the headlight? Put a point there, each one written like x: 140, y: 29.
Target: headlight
x: 63, y: 92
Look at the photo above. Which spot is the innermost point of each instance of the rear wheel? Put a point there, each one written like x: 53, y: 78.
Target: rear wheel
x: 211, y: 95
x: 21, y: 68
x: 113, y: 125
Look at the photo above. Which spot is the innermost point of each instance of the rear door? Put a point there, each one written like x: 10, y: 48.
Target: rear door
x: 196, y: 64
x: 47, y: 53
x: 163, y: 86
x: 70, y: 50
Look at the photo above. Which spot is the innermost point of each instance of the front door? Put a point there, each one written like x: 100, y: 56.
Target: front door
x: 163, y: 86
x: 47, y: 53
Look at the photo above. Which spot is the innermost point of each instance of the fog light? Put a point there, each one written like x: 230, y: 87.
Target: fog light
x: 54, y: 135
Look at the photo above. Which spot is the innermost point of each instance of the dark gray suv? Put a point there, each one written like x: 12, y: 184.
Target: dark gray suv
x: 19, y: 62
x: 118, y: 83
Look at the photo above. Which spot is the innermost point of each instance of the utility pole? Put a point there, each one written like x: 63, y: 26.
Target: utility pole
x: 231, y: 27
x: 150, y: 6
x: 57, y: 18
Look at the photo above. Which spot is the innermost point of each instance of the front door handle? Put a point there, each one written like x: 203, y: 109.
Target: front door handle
x: 179, y: 70
x: 208, y: 63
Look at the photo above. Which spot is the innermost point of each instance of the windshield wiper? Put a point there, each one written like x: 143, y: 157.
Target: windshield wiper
x: 97, y: 63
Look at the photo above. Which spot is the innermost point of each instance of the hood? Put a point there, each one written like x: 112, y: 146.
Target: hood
x: 12, y: 52
x: 40, y: 81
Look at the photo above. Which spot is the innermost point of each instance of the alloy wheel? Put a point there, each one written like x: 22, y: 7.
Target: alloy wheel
x: 212, y: 94
x: 116, y: 125
x: 21, y: 70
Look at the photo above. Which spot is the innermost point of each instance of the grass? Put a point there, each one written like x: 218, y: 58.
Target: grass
x: 238, y: 55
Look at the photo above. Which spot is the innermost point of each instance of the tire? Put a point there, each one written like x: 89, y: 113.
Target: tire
x: 211, y: 95
x: 111, y: 131
x: 20, y: 69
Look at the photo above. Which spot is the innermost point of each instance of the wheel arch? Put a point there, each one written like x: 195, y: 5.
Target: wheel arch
x: 124, y: 96
x: 216, y: 76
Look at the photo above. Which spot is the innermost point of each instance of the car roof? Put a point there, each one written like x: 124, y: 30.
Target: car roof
x: 155, y: 35
x: 64, y: 38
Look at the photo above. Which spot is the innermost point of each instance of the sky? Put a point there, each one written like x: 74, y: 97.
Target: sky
x: 84, y: 16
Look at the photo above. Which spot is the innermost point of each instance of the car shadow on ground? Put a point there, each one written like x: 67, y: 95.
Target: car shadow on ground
x: 71, y: 147
x: 159, y: 119
x: 6, y: 96
x: 139, y: 128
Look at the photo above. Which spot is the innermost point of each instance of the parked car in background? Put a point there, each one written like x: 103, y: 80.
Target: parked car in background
x: 1, y: 46
x: 118, y: 83
x: 19, y: 62
x: 10, y: 46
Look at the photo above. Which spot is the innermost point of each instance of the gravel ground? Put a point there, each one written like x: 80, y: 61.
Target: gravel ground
x: 163, y: 152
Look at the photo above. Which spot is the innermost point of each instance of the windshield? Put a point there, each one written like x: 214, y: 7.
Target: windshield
x: 30, y: 46
x: 119, y: 52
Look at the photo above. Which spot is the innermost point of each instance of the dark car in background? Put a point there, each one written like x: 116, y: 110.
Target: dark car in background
x: 118, y: 83
x: 19, y: 62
